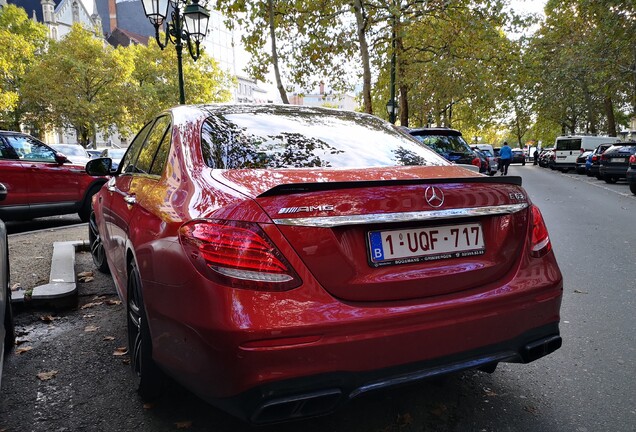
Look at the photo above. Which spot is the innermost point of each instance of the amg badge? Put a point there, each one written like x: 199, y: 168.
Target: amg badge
x: 305, y: 209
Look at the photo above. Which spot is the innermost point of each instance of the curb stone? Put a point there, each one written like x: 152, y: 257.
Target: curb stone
x: 62, y: 283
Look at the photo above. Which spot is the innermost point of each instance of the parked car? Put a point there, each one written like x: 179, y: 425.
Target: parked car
x: 615, y: 161
x: 546, y: 157
x: 40, y: 181
x: 581, y: 161
x: 94, y: 153
x: 115, y: 154
x: 75, y: 153
x: 630, y: 175
x: 448, y: 143
x: 491, y: 161
x: 568, y: 148
x: 518, y: 156
x: 7, y: 329
x: 281, y: 260
x: 594, y: 161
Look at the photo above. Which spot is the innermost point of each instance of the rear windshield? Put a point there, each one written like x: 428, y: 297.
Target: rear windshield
x: 445, y: 145
x: 281, y: 138
x: 622, y: 148
x: 568, y: 144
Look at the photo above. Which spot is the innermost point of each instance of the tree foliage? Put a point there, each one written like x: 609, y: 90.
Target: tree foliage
x: 22, y: 39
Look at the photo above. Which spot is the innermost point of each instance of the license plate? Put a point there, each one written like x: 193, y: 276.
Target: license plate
x: 425, y: 244
x: 617, y: 159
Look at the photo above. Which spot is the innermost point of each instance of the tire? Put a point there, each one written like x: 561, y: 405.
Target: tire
x: 610, y: 179
x: 150, y: 379
x: 97, y: 246
x: 87, y: 207
x: 632, y: 187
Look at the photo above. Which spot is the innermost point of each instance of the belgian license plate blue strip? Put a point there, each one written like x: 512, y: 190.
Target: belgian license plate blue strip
x: 425, y: 244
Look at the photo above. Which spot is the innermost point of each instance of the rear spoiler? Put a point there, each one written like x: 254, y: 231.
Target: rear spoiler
x: 286, y: 189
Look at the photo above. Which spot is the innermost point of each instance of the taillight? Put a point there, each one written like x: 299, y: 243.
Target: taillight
x: 476, y: 162
x: 540, y: 241
x: 237, y: 254
x: 632, y: 159
x: 603, y: 156
x: 594, y: 158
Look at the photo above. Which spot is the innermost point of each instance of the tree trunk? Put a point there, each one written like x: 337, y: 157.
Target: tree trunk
x: 361, y: 22
x: 611, y: 120
x: 272, y: 33
x: 404, y: 90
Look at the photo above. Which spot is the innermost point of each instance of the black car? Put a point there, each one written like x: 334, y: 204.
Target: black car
x: 581, y: 161
x: 518, y: 156
x: 631, y: 174
x: 615, y: 161
x: 595, y: 161
x: 449, y: 143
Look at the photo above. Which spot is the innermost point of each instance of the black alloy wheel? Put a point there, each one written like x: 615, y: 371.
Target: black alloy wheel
x: 150, y: 379
x: 610, y: 179
x: 97, y: 246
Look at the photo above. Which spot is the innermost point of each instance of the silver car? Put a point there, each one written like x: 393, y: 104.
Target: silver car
x: 7, y: 333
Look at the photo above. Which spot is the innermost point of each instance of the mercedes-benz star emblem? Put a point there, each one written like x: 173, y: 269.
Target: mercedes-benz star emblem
x: 434, y: 196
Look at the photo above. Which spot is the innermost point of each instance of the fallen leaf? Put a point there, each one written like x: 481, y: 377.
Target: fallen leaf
x: 15, y: 287
x: 23, y: 349
x: 531, y: 409
x: 109, y: 338
x: 89, y: 316
x: 580, y: 292
x: 48, y: 318
x: 86, y: 279
x: 85, y: 274
x: 183, y: 424
x: 92, y: 304
x: 126, y: 361
x: 148, y: 406
x: 45, y: 376
x: 113, y: 302
x: 102, y: 297
x: 120, y: 351
x: 91, y: 328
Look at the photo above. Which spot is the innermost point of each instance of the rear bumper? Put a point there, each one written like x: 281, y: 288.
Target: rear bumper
x: 615, y: 171
x: 322, y: 394
x: 294, y: 356
x: 564, y: 165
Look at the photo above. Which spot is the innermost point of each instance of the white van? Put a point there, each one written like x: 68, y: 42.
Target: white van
x: 568, y: 148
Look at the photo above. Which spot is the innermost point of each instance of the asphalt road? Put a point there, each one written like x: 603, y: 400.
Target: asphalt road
x: 587, y: 385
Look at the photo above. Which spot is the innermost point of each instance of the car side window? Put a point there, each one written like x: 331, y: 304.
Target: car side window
x: 30, y: 149
x: 162, y: 154
x: 150, y: 147
x: 6, y: 151
x: 127, y: 164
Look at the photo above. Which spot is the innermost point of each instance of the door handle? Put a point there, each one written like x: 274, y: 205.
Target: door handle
x: 130, y: 199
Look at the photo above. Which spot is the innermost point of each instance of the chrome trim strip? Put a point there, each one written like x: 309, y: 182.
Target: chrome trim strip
x: 335, y: 221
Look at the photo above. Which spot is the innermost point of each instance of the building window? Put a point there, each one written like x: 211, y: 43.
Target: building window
x: 75, y: 12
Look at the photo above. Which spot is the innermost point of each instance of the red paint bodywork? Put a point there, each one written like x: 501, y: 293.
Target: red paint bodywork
x: 347, y: 316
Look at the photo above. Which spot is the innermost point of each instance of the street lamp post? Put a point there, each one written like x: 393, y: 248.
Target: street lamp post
x: 189, y: 26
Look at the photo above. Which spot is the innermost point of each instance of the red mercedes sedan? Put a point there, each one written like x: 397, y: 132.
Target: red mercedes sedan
x: 279, y: 261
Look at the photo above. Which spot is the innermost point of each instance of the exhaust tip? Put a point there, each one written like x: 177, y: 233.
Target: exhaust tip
x: 297, y: 406
x: 541, y: 348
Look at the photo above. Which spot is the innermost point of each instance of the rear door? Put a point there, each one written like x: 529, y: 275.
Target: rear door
x: 49, y: 181
x: 127, y: 190
x: 567, y: 150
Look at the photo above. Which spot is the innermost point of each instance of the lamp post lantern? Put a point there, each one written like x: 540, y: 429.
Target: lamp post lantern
x: 189, y: 26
